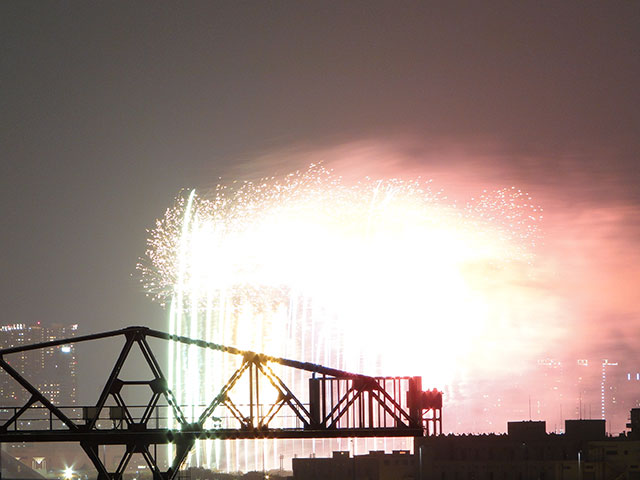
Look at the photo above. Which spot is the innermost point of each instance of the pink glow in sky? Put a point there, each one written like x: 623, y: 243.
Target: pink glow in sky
x: 576, y: 301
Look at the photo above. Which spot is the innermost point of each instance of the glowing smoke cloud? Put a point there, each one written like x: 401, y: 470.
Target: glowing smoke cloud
x: 359, y: 277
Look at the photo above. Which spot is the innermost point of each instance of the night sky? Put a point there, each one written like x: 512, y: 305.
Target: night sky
x: 109, y: 109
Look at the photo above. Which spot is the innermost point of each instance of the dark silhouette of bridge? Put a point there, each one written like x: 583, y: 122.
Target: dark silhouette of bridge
x: 340, y: 404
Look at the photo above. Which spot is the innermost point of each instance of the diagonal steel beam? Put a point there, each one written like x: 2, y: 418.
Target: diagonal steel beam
x: 393, y: 402
x: 235, y: 411
x: 336, y: 407
x: 17, y: 415
x: 183, y: 447
x: 346, y: 407
x: 83, y: 338
x: 387, y: 408
x: 151, y: 462
x: 296, y: 405
x: 91, y: 449
x: 273, y: 411
x: 35, y: 393
x: 223, y: 392
x: 124, y: 461
x: 148, y: 411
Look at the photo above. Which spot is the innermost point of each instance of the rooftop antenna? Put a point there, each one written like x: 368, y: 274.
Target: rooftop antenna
x: 529, y: 407
x: 580, y: 416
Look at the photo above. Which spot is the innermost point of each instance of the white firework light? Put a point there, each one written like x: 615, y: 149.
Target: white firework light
x: 381, y: 277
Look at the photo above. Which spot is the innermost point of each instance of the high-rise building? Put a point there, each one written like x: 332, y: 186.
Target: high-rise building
x: 51, y: 370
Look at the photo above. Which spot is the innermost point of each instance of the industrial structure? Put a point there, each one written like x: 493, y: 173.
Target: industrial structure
x: 251, y: 404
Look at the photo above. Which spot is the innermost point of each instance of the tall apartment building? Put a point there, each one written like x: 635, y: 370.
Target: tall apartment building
x: 51, y: 370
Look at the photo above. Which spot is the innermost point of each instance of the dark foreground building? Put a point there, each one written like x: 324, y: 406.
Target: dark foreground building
x: 376, y: 465
x: 525, y: 452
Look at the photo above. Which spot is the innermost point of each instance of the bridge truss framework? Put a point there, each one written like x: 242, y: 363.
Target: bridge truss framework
x: 340, y: 404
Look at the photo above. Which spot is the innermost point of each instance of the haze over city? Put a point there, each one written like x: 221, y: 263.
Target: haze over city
x: 111, y: 111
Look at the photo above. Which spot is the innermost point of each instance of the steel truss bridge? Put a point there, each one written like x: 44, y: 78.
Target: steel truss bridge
x: 333, y: 403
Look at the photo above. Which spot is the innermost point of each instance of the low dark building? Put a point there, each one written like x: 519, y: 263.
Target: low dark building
x: 527, y: 452
x: 399, y: 465
x: 634, y: 424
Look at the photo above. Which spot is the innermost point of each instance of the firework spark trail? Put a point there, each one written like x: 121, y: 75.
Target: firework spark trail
x: 294, y: 266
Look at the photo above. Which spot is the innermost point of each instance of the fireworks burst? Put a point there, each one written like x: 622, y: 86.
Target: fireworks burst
x: 359, y: 277
x: 270, y: 233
